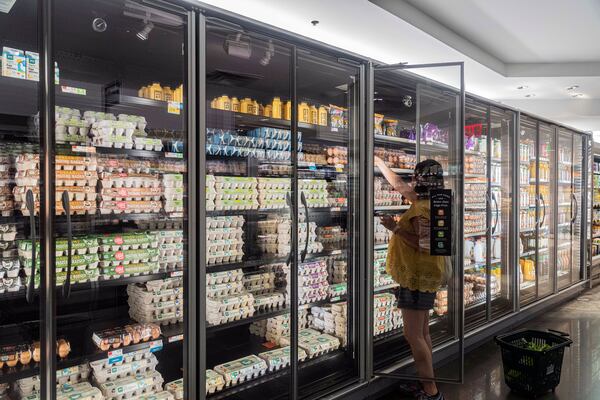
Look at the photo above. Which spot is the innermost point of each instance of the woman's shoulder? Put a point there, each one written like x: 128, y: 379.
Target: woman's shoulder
x: 421, y: 207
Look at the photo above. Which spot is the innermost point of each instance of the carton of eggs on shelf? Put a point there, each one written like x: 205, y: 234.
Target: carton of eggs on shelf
x: 140, y: 362
x: 124, y: 336
x: 145, y: 383
x: 140, y: 121
x: 214, y: 278
x: 241, y: 370
x: 280, y: 358
x: 214, y: 382
x: 146, y: 143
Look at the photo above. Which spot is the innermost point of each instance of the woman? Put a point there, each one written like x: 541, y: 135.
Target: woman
x: 419, y: 274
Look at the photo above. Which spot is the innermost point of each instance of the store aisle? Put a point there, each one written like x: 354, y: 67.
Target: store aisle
x: 580, y: 380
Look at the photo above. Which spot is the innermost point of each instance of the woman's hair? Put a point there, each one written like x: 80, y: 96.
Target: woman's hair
x: 429, y: 174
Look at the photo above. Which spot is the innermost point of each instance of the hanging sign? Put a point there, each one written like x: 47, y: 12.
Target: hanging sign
x: 440, y: 222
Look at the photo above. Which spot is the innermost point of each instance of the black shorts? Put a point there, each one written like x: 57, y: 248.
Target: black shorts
x: 415, y: 299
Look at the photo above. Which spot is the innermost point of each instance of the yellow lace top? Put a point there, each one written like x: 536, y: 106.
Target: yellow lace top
x: 411, y: 268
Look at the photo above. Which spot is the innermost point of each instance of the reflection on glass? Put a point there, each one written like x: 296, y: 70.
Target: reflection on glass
x: 566, y: 208
x: 546, y: 235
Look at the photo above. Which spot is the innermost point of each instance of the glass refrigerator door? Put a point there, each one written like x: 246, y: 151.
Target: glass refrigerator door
x: 20, y: 188
x: 566, y: 208
x: 414, y: 120
x: 546, y: 181
x: 328, y: 126
x: 578, y: 193
x: 502, y: 129
x: 528, y: 210
x: 121, y: 186
x: 249, y: 226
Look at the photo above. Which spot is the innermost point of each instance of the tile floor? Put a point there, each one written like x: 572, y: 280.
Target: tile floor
x: 484, y: 378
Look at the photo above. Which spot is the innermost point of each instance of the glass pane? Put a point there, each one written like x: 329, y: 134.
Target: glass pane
x: 19, y: 175
x: 502, y: 129
x: 546, y: 236
x: 578, y: 193
x: 566, y: 208
x: 414, y: 120
x: 477, y: 205
x: 249, y: 224
x: 528, y: 212
x: 121, y: 193
x: 327, y: 177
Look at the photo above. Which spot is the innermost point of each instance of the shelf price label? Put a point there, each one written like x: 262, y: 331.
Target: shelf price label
x: 156, y: 345
x: 173, y: 155
x: 83, y: 149
x: 175, y: 338
x: 174, y: 107
x: 440, y: 225
x: 176, y: 273
x: 115, y: 356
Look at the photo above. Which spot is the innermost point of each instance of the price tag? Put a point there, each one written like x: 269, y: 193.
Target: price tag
x: 334, y: 252
x: 115, y: 356
x: 337, y: 298
x: 156, y: 345
x: 176, y: 273
x: 334, y: 129
x: 175, y: 338
x: 174, y: 107
x: 173, y: 155
x: 83, y: 149
x: 339, y: 169
x: 73, y: 90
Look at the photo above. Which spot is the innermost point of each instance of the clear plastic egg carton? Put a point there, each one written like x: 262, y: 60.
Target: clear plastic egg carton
x: 234, y: 221
x: 105, y: 373
x: 267, y: 301
x: 215, y: 278
x: 234, y: 182
x: 226, y: 303
x: 10, y: 268
x: 127, y: 241
x: 129, y: 180
x: 241, y: 370
x: 118, y: 165
x: 129, y: 269
x: 224, y: 289
x: 131, y: 194
x: 224, y: 257
x: 280, y: 358
x: 138, y: 120
x: 131, y: 386
x: 138, y: 207
x: 223, y: 317
x: 146, y: 143
x: 214, y: 382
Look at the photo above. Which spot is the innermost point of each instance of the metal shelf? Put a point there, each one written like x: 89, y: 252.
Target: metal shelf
x: 391, y: 208
x: 394, y: 140
x: 216, y: 213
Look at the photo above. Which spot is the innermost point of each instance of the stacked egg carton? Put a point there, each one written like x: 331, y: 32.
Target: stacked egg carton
x: 280, y: 358
x: 84, y: 259
x: 340, y: 318
x: 331, y: 319
x: 7, y: 175
x: 338, y: 275
x: 29, y: 388
x: 263, y: 288
x: 128, y: 254
x: 70, y: 127
x: 242, y: 370
x: 227, y: 299
x: 274, y: 235
x: 74, y: 174
x: 122, y: 132
x: 382, y: 235
x: 159, y: 301
x: 173, y: 194
x: 385, y: 195
x: 129, y: 187
x: 132, y: 377
x: 170, y: 249
x: 275, y: 328
x: 214, y: 382
x: 386, y: 316
x: 337, y: 193
x: 314, y: 343
x: 315, y: 192
x: 225, y: 242
x: 272, y: 192
x: 313, y: 284
x: 10, y: 265
x: 381, y: 277
x: 231, y: 193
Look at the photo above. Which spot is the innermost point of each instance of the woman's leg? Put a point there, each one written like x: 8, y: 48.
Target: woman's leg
x: 426, y: 334
x: 413, y: 332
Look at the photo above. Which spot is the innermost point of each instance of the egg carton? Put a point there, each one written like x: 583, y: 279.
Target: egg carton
x: 173, y: 206
x: 223, y: 317
x: 164, y: 317
x: 259, y: 278
x: 124, y: 336
x: 214, y: 278
x: 172, y: 180
x: 76, y: 208
x: 105, y: 128
x: 129, y: 180
x: 241, y: 370
x: 235, y: 194
x: 235, y: 221
x: 227, y: 205
x: 131, y: 386
x: 224, y: 257
x: 224, y: 245
x: 94, y: 116
x: 107, y: 363
x: 78, y: 263
x: 138, y: 120
x: 224, y: 289
x: 130, y: 269
x: 272, y: 194
x: 262, y: 288
x: 234, y: 182
x: 173, y: 194
x: 127, y: 241
x: 227, y: 303
x: 138, y: 207
x: 83, y: 391
x: 312, y: 279
x: 125, y: 369
x: 131, y: 255
x: 214, y: 383
x: 169, y: 236
x: 145, y: 296
x: 162, y: 395
x: 131, y: 194
x: 10, y: 268
x: 156, y: 307
x: 225, y: 234
x: 272, y: 204
x: 146, y: 143
x: 338, y: 289
x: 280, y: 358
x: 120, y: 165
x: 170, y: 263
x: 268, y: 301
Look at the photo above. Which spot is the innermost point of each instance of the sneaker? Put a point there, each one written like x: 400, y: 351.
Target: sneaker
x: 425, y: 396
x: 411, y: 387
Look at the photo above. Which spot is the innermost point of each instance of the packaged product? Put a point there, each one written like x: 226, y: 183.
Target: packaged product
x: 378, y: 124
x: 14, y: 63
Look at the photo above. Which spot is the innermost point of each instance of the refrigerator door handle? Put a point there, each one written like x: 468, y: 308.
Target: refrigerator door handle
x: 305, y: 204
x: 66, y: 289
x: 576, y: 213
x: 543, y: 209
x: 30, y: 204
x: 288, y: 200
x: 496, y: 213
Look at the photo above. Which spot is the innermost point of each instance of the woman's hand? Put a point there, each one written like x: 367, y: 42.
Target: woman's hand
x: 378, y: 161
x: 388, y: 222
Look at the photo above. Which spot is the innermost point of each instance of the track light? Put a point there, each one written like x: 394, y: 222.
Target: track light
x: 143, y: 34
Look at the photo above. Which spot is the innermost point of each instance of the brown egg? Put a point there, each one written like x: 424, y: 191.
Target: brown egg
x: 104, y: 346
x: 25, y: 357
x: 63, y: 348
x: 126, y: 339
x: 1, y: 364
x: 13, y: 362
x: 155, y: 331
x: 36, y: 351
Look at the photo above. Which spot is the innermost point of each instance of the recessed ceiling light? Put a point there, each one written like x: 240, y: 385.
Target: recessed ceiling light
x: 530, y: 95
x: 573, y: 87
x: 314, y: 22
x: 522, y: 87
x: 577, y: 95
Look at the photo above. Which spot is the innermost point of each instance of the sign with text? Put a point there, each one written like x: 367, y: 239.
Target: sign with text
x: 441, y: 222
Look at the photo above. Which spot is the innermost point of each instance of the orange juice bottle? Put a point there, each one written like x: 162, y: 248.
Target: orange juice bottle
x: 268, y: 111
x: 156, y: 92
x: 303, y: 112
x: 314, y: 115
x: 255, y: 108
x: 235, y: 104
x: 167, y: 93
x: 322, y: 116
x: 224, y: 103
x: 246, y: 106
x: 287, y: 112
x: 276, y: 108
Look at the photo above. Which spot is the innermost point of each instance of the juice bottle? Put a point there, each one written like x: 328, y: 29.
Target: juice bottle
x: 276, y: 108
x: 156, y: 92
x: 143, y: 92
x: 246, y: 105
x: 303, y: 112
x: 268, y: 111
x: 255, y: 108
x: 167, y: 93
x: 287, y: 112
x: 322, y: 116
x: 224, y: 103
x: 235, y: 104
x: 314, y: 115
x: 213, y: 103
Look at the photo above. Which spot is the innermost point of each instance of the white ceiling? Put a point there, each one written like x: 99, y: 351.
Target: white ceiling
x: 367, y: 29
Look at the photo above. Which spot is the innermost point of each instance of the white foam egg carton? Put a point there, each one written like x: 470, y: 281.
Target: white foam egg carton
x: 93, y: 116
x: 111, y: 128
x: 214, y: 278
x: 224, y: 289
x: 131, y: 194
x: 238, y: 371
x: 138, y: 207
x: 280, y: 358
x: 267, y: 301
x: 226, y: 303
x: 129, y: 180
x: 236, y: 194
x: 66, y: 112
x: 234, y: 221
x: 146, y: 143
x: 130, y: 386
x: 103, y: 374
x: 234, y: 182
x: 224, y: 257
x: 139, y: 121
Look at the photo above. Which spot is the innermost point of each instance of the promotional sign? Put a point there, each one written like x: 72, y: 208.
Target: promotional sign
x: 441, y: 222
